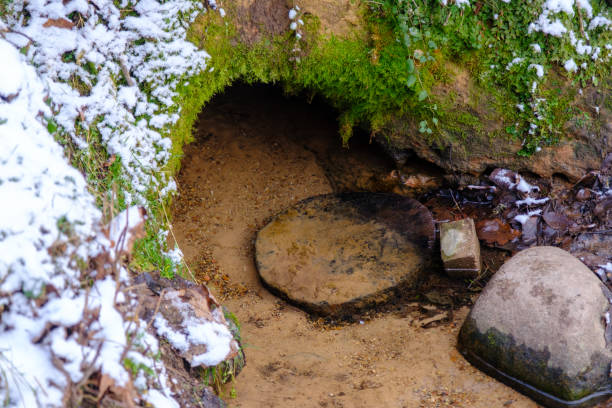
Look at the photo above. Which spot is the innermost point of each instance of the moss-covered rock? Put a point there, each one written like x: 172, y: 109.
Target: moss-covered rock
x: 435, y: 102
x: 472, y: 133
x: 540, y: 325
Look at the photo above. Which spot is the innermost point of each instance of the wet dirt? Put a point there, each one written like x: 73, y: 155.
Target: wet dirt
x: 257, y: 153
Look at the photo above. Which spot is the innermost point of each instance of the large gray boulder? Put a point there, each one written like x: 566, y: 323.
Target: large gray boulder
x: 540, y: 326
x: 340, y: 253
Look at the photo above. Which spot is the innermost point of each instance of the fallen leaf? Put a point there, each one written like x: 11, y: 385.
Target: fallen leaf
x: 530, y: 230
x: 59, y: 23
x: 556, y: 220
x: 587, y: 180
x: 495, y: 231
x: 125, y: 393
x: 602, y: 208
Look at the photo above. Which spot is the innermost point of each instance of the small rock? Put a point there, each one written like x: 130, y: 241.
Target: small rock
x: 186, y: 307
x: 539, y: 325
x: 583, y: 194
x: 460, y: 248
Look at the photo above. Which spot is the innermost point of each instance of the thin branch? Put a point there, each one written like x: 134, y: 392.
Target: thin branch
x: 126, y: 72
x: 174, y: 237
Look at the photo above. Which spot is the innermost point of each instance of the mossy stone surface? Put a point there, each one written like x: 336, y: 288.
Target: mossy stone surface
x: 354, y: 62
x: 541, y: 321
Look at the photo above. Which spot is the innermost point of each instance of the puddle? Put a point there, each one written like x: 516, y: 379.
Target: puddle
x: 257, y: 153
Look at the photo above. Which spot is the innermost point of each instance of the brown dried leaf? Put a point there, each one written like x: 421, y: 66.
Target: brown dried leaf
x: 110, y: 161
x: 495, y: 231
x: 59, y: 23
x: 105, y: 383
x: 556, y: 220
x: 530, y: 230
x: 126, y: 234
x: 602, y: 208
x: 126, y: 394
x: 199, y: 303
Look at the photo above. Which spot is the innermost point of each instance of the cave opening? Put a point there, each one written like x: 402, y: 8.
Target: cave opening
x: 256, y: 152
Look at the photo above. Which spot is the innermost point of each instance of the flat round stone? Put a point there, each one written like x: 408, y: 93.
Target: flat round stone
x: 337, y: 253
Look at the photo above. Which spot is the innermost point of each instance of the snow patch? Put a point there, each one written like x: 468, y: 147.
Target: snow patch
x: 523, y: 218
x: 570, y: 65
x: 539, y: 69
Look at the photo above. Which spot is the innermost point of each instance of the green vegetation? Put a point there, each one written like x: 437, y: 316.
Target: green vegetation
x: 366, y: 82
x: 362, y: 89
x: 491, y: 39
x: 110, y: 187
x: 227, y: 370
x: 135, y: 367
x: 4, y: 7
x: 400, y: 61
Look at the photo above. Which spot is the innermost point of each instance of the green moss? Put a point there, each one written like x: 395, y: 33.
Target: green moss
x: 367, y: 82
x: 364, y: 91
x: 393, y: 68
x: 230, y: 61
x: 505, y: 357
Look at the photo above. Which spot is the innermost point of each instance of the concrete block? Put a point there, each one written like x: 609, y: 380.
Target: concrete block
x: 460, y: 249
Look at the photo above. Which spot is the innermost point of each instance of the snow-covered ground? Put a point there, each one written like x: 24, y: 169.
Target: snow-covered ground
x: 73, y: 65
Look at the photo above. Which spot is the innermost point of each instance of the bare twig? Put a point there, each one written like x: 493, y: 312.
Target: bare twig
x: 174, y: 237
x: 161, y: 296
x: 603, y: 232
x: 472, y: 187
x: 30, y: 39
x: 126, y: 72
x: 456, y: 203
x: 580, y: 19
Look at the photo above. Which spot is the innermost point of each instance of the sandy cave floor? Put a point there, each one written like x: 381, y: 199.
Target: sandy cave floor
x: 255, y: 154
